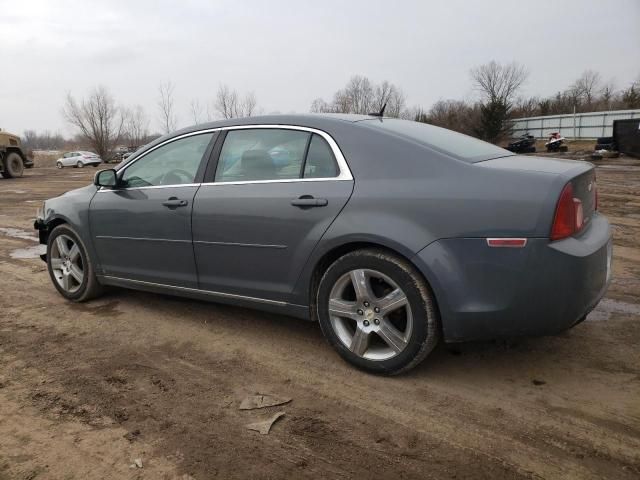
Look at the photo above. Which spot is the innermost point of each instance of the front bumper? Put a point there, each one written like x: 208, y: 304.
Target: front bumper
x: 541, y: 289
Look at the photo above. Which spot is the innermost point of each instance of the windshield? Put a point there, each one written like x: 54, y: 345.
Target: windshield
x: 446, y: 141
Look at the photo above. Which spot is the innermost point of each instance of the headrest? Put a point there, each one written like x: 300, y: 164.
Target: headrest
x: 256, y: 159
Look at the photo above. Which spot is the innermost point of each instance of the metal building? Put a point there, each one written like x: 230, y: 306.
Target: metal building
x: 580, y: 125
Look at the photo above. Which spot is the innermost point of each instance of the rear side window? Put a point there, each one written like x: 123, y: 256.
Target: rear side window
x: 274, y: 154
x: 449, y: 142
x: 320, y: 160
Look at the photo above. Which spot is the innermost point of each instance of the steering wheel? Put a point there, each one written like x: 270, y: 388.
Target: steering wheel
x: 176, y: 177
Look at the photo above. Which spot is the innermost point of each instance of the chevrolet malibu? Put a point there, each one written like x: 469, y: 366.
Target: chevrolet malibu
x: 391, y: 234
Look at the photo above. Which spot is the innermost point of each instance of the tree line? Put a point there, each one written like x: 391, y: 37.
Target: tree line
x: 498, y: 100
x: 102, y: 124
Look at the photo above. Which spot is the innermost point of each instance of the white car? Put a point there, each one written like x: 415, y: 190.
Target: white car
x: 78, y: 159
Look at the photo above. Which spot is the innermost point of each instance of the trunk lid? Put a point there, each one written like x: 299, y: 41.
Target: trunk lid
x: 580, y: 174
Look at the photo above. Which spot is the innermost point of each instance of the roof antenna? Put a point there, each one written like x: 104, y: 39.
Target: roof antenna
x: 381, y: 112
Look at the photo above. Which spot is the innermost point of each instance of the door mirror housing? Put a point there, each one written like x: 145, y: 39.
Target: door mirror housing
x: 106, y: 178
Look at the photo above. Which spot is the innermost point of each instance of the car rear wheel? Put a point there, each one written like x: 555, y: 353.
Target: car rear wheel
x: 377, y: 311
x: 70, y: 268
x: 13, y: 166
x: 80, y: 165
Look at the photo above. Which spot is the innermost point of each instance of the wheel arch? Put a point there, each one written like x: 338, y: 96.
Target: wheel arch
x: 325, y: 260
x: 16, y: 150
x: 49, y: 226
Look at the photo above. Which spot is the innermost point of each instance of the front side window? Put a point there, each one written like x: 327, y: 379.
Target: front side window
x: 274, y: 154
x: 175, y: 163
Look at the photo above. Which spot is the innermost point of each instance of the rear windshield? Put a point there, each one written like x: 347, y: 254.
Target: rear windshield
x: 446, y: 141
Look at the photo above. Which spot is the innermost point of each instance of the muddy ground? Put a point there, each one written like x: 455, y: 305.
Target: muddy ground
x: 87, y: 389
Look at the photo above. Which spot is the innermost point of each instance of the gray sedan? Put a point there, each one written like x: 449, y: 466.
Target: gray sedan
x: 391, y: 234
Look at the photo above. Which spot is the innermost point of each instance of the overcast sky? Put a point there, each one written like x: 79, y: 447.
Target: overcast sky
x: 290, y: 52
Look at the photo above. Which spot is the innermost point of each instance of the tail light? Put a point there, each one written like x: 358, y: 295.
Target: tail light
x: 569, y: 216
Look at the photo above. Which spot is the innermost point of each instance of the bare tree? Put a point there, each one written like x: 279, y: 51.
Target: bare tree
x: 229, y: 104
x: 98, y: 118
x: 526, y: 106
x: 455, y: 115
x: 499, y: 83
x: 248, y: 105
x: 196, y: 111
x: 137, y: 126
x: 42, y: 141
x: 168, y: 117
x: 226, y: 101
x: 361, y: 96
x: 360, y: 93
x: 320, y: 106
x: 395, y: 103
x: 608, y: 94
x: 587, y: 86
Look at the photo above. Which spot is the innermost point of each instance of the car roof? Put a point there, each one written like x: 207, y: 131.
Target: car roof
x: 307, y: 119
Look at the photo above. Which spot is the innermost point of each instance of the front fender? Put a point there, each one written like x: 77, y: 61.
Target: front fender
x: 71, y: 208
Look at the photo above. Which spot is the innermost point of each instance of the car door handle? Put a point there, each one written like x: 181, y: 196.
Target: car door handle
x: 308, y: 201
x: 174, y: 202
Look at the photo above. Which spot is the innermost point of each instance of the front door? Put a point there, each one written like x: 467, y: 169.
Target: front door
x: 142, y: 229
x: 275, y: 193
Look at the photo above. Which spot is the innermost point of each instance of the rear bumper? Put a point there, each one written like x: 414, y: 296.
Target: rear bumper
x: 541, y: 289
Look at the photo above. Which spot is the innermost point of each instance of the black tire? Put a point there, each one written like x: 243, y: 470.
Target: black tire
x: 59, y: 165
x: 80, y: 165
x: 605, y: 146
x: 13, y: 165
x: 425, y: 332
x: 90, y: 287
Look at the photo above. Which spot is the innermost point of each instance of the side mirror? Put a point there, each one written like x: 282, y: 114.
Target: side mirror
x: 106, y: 178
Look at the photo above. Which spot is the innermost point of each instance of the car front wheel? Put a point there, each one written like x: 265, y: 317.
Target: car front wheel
x: 80, y: 165
x: 70, y: 268
x: 377, y: 311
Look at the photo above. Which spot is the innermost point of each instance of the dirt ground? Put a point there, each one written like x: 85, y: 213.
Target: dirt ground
x: 87, y: 389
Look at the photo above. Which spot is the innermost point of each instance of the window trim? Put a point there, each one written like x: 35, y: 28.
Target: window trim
x: 343, y: 167
x: 204, y: 160
x: 212, y: 154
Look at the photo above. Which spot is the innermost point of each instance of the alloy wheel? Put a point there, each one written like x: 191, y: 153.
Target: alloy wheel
x: 370, y: 314
x: 66, y: 263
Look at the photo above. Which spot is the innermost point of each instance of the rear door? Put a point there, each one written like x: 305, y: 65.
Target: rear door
x: 273, y: 194
x: 142, y: 230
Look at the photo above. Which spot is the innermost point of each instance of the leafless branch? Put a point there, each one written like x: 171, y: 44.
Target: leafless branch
x: 97, y: 118
x: 168, y: 117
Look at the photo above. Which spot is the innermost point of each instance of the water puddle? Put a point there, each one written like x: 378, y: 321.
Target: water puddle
x: 29, y: 252
x: 17, y: 233
x: 608, y: 306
